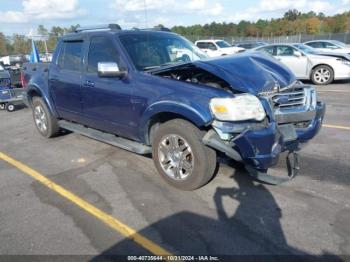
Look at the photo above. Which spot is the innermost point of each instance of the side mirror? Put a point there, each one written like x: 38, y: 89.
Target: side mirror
x: 110, y: 69
x: 297, y: 53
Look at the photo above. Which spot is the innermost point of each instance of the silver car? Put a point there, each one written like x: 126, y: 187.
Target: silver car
x: 308, y: 64
x: 329, y: 46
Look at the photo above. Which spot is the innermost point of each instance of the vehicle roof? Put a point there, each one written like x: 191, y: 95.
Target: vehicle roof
x: 209, y: 40
x: 277, y: 44
x: 320, y: 40
x: 79, y: 35
x: 251, y: 42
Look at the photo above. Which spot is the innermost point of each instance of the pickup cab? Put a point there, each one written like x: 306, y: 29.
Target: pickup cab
x: 130, y: 89
x: 214, y: 48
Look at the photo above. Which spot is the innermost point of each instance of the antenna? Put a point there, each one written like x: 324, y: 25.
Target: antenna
x: 146, y: 15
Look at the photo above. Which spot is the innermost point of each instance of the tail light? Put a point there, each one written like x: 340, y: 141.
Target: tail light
x: 23, y: 80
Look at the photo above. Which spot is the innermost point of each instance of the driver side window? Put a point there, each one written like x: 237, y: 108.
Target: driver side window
x: 211, y: 46
x: 102, y: 50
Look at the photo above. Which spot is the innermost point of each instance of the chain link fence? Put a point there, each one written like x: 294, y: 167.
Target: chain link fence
x: 343, y: 37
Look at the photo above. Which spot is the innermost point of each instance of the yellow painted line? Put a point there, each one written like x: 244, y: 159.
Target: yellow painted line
x: 114, y: 223
x: 338, y: 127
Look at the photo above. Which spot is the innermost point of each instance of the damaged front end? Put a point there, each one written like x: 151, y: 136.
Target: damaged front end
x: 276, y: 113
x: 293, y: 117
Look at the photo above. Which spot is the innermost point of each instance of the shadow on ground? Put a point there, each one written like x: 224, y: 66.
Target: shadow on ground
x: 253, y: 228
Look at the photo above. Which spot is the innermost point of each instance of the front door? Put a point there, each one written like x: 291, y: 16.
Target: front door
x: 107, y: 102
x: 297, y: 63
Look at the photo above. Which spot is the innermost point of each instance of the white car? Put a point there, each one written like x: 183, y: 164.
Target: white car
x: 308, y: 64
x: 215, y: 48
x: 329, y: 46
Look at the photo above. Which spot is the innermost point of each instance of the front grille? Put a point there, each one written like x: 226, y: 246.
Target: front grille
x: 289, y: 99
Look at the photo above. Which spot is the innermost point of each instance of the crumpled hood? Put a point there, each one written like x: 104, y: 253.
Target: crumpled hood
x: 336, y: 55
x: 252, y: 72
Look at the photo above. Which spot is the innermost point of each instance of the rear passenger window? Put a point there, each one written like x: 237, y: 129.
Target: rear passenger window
x: 202, y: 45
x: 102, y: 50
x: 71, y: 56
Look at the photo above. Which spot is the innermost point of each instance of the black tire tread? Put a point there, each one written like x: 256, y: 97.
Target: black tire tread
x: 53, y: 128
x: 205, y: 156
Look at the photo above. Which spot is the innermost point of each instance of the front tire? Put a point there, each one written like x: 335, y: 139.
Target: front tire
x: 322, y: 75
x: 2, y: 106
x: 44, y: 121
x: 180, y: 156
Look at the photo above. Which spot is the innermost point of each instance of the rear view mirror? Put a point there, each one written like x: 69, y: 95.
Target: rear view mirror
x: 110, y: 69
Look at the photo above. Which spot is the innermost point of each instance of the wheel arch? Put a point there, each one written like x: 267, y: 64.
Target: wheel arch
x: 321, y: 64
x: 156, y: 115
x: 35, y: 91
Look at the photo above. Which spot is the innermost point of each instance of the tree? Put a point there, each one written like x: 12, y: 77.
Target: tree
x: 292, y: 15
x: 313, y: 25
x: 3, y: 45
x: 21, y: 45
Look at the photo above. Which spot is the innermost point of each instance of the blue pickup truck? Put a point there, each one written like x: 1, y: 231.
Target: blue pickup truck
x: 153, y: 92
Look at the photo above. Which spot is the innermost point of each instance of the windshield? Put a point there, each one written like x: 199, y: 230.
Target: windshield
x: 149, y: 50
x: 306, y: 49
x: 223, y: 44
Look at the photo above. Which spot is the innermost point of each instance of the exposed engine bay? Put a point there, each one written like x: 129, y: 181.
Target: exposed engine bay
x: 191, y: 73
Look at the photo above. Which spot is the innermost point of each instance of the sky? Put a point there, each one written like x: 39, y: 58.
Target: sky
x: 21, y: 16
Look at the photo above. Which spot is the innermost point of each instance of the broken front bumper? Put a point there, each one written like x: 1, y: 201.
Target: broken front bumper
x: 259, y: 148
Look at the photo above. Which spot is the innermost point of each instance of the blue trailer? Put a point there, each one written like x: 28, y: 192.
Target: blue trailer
x: 10, y: 98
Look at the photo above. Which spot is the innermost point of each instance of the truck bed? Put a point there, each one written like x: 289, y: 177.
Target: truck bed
x: 30, y: 69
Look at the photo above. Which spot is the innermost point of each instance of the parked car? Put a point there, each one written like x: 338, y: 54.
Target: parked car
x: 250, y: 44
x: 13, y: 65
x: 332, y: 46
x: 125, y: 87
x: 308, y: 64
x: 214, y: 48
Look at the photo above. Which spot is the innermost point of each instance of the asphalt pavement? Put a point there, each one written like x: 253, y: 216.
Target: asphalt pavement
x: 232, y: 215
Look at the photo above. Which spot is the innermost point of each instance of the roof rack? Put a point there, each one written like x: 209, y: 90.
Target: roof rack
x: 155, y: 28
x: 99, y: 27
x: 161, y: 28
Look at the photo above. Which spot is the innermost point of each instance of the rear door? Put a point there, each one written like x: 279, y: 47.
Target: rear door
x: 65, y: 80
x: 107, y: 102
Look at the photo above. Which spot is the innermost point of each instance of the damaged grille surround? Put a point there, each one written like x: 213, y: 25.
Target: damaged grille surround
x: 294, y: 105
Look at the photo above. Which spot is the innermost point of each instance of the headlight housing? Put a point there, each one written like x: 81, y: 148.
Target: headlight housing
x: 239, y: 108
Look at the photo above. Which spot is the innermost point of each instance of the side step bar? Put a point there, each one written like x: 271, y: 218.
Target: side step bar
x: 106, y: 138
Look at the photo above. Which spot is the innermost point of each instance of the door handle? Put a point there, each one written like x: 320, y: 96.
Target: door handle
x: 89, y: 83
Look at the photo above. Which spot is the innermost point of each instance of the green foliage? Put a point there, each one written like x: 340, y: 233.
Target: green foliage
x: 293, y: 22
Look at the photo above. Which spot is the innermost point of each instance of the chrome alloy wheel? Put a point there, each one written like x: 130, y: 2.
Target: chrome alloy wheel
x: 175, y: 157
x: 40, y: 119
x: 322, y: 75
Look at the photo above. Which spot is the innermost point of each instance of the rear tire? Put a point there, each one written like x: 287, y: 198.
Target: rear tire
x: 322, y: 75
x: 10, y: 107
x: 44, y: 121
x: 180, y: 156
x: 2, y: 106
